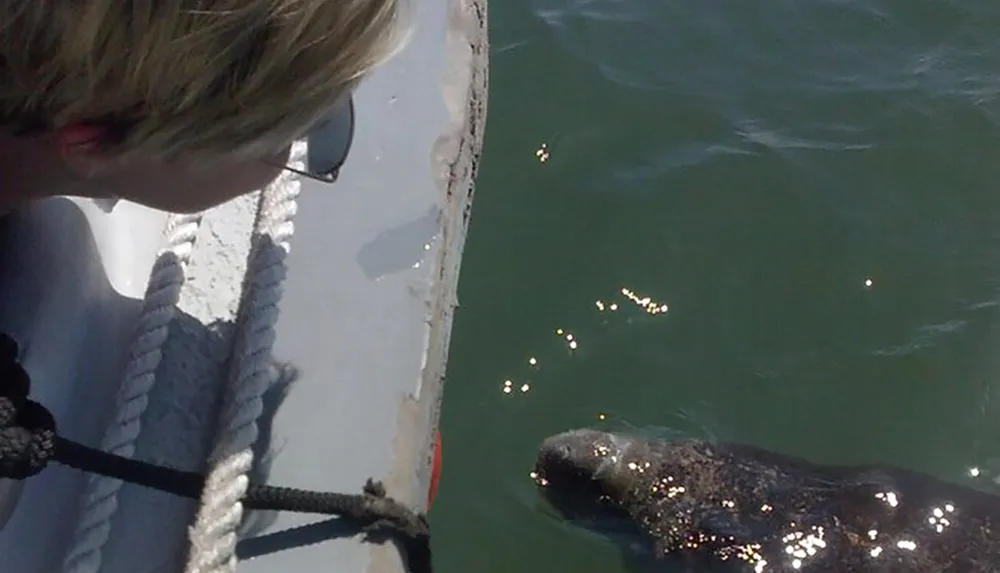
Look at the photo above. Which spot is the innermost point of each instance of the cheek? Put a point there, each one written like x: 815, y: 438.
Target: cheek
x: 176, y: 189
x: 245, y: 178
x: 267, y: 170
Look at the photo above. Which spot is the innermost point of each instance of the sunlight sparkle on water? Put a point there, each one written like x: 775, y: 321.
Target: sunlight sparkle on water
x: 542, y: 153
x: 646, y: 303
x: 570, y: 339
x: 508, y: 387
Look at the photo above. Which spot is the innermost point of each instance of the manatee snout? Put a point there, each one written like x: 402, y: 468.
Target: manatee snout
x: 574, y: 455
x: 579, y: 473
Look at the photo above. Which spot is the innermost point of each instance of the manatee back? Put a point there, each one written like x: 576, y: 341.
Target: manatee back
x: 737, y: 504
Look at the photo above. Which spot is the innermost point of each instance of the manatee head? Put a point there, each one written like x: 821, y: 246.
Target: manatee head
x: 584, y: 473
x: 672, y: 490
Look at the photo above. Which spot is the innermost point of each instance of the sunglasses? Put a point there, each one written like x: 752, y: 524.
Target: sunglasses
x: 329, y: 143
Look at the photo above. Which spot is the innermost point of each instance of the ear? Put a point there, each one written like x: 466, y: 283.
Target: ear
x: 80, y: 148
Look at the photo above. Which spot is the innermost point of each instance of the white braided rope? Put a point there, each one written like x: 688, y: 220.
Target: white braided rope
x: 213, y: 536
x: 100, y: 501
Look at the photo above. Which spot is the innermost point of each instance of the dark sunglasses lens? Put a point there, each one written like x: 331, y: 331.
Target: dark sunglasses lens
x: 330, y: 143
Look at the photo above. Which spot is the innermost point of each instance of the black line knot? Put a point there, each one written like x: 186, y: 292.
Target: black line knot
x: 27, y: 429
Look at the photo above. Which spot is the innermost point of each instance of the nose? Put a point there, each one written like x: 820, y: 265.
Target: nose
x: 560, y: 446
x: 565, y: 451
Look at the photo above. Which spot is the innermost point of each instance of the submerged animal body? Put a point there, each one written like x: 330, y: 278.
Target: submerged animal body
x: 708, y: 506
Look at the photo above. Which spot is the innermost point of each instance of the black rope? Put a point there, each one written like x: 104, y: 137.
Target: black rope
x: 29, y: 441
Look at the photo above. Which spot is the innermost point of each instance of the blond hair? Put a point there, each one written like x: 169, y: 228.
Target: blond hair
x: 205, y: 78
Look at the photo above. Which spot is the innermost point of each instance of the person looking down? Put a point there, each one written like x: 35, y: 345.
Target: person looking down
x: 178, y: 105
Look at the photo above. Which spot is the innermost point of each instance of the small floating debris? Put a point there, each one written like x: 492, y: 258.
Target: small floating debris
x: 868, y: 282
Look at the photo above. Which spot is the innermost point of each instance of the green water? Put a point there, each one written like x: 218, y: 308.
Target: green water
x: 751, y: 165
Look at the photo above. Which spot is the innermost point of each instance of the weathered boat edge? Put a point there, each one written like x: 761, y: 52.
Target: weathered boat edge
x: 458, y: 155
x: 466, y: 91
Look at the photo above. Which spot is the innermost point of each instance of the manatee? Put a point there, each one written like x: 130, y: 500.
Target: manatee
x: 707, y: 506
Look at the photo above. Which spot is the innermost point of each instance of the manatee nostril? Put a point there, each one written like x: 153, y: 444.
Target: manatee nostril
x: 565, y: 451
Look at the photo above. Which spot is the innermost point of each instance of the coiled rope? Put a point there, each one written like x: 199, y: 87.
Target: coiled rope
x: 213, y: 537
x: 100, y: 500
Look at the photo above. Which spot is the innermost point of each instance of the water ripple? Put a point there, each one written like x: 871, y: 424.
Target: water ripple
x: 925, y: 337
x: 755, y: 131
x: 663, y: 161
x: 814, y: 46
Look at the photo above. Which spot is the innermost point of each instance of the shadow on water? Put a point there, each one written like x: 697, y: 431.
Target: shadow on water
x: 619, y: 534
